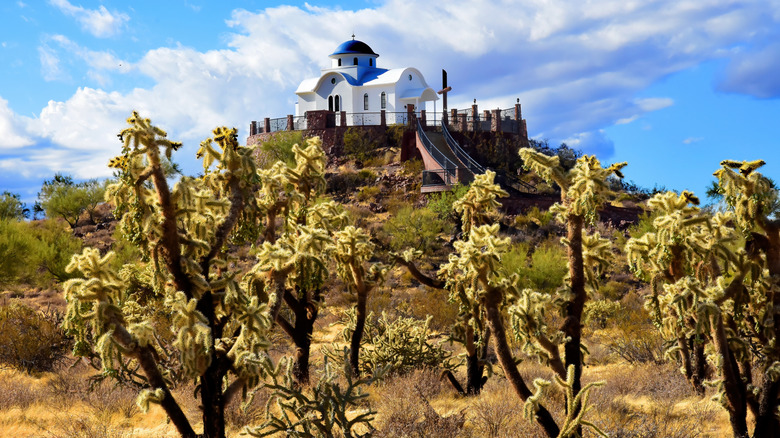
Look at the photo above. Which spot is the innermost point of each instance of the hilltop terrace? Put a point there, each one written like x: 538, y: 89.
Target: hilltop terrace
x: 323, y: 122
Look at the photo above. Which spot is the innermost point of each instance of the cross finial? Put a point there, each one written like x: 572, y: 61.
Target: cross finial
x: 353, y: 35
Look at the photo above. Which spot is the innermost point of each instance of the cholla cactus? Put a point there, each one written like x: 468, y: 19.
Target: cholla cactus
x: 214, y: 321
x: 352, y: 249
x: 584, y: 189
x: 716, y: 297
x: 328, y: 409
x: 686, y: 244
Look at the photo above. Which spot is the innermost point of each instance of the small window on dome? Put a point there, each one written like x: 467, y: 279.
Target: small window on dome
x: 410, y: 77
x: 370, y: 62
x: 339, y: 62
x: 354, y: 61
x: 333, y: 80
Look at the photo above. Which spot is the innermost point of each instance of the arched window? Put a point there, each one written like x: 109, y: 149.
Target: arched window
x: 383, y: 100
x: 339, y: 62
x: 354, y: 61
x: 365, y: 102
x: 370, y: 62
x: 330, y: 103
x: 336, y: 106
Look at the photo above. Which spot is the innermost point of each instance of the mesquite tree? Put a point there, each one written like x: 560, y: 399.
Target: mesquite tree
x: 727, y: 296
x: 219, y: 321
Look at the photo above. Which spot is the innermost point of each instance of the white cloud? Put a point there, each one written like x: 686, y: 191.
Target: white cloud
x: 99, y: 22
x: 691, y: 140
x: 99, y: 63
x: 593, y: 142
x: 12, y: 135
x: 50, y: 64
x: 754, y: 73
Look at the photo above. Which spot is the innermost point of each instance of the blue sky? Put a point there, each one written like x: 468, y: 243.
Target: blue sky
x: 671, y: 86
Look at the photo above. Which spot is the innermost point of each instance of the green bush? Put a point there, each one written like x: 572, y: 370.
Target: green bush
x: 16, y: 252
x: 542, y: 271
x: 11, y: 207
x: 31, y: 340
x: 35, y: 252
x: 61, y: 197
x: 441, y: 203
x: 413, y: 167
x: 55, y: 246
x: 360, y: 144
x: 420, y: 229
x: 534, y: 216
x: 279, y: 148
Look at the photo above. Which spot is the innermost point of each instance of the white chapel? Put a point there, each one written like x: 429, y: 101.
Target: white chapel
x: 355, y: 84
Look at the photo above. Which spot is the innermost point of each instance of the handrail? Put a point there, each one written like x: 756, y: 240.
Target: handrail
x: 445, y: 163
x: 464, y: 158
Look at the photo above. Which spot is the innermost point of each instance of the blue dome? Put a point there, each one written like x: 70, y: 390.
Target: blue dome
x: 353, y: 47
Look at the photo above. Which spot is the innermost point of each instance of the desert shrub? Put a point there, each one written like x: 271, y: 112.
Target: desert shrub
x: 367, y: 193
x: 84, y: 426
x: 548, y: 267
x: 16, y: 251
x: 425, y: 302
x: 405, y: 410
x: 279, y: 147
x: 17, y: 393
x: 413, y: 167
x: 544, y: 270
x: 534, y: 218
x: 395, y: 135
x: 496, y: 413
x: 360, y: 144
x: 54, y: 247
x: 441, y: 202
x: 421, y: 229
x: 12, y: 207
x: 614, y: 290
x: 630, y: 333
x: 366, y: 175
x: 347, y: 181
x: 35, y: 252
x: 30, y: 340
x: 61, y: 197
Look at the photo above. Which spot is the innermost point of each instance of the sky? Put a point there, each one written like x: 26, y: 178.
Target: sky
x: 670, y: 86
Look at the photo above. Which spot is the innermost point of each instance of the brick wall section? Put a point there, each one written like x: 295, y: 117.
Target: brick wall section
x: 495, y: 121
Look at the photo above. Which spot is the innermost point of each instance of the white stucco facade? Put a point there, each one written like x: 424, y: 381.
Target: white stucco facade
x: 353, y: 83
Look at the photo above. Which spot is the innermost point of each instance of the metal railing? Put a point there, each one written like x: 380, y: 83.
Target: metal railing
x: 364, y: 119
x: 464, y: 158
x: 436, y: 178
x: 279, y: 124
x: 507, y: 114
x: 299, y: 123
x: 399, y: 118
x: 448, y: 167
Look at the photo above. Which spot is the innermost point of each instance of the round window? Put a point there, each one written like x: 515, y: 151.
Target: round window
x: 333, y: 81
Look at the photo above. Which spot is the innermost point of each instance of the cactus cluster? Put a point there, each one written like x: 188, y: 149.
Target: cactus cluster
x: 217, y: 317
x: 715, y: 282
